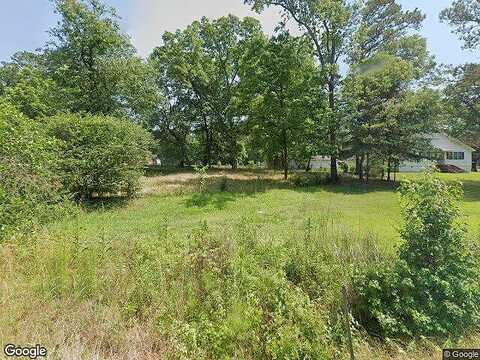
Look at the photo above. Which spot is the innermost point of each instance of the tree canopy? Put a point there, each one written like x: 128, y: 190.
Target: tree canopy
x: 464, y: 17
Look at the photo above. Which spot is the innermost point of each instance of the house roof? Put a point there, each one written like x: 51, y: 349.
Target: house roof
x: 456, y: 141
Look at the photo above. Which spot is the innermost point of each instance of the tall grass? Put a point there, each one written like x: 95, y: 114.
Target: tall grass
x: 231, y: 289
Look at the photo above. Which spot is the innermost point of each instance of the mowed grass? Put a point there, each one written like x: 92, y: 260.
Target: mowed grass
x: 268, y: 203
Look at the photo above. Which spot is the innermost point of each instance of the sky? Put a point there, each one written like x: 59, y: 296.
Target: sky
x: 24, y: 23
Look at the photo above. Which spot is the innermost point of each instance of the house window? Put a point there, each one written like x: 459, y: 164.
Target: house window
x: 455, y: 155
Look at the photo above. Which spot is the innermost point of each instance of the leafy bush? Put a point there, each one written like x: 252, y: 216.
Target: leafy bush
x: 30, y: 190
x: 100, y: 155
x: 432, y: 289
x: 201, y: 172
x: 308, y: 179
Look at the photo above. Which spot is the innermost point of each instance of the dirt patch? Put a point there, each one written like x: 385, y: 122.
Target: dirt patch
x: 186, y: 182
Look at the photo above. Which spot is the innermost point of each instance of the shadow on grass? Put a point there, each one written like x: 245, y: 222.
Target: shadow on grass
x: 471, y: 190
x: 153, y: 171
x: 218, y: 199
x: 105, y: 203
x: 222, y: 190
x: 352, y: 186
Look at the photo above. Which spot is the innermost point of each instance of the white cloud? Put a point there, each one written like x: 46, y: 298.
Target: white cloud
x: 149, y: 19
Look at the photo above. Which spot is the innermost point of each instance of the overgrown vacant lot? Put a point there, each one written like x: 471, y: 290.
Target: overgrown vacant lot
x: 195, y: 271
x: 273, y: 206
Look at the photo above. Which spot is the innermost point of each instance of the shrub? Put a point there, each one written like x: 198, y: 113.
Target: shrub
x: 201, y: 173
x: 432, y: 289
x: 30, y: 190
x: 101, y: 155
x: 308, y: 179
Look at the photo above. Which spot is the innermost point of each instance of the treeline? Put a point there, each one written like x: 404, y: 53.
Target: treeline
x: 359, y: 83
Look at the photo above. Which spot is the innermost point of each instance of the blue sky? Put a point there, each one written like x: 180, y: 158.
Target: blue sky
x: 24, y: 23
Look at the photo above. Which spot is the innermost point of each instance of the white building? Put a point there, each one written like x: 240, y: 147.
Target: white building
x: 320, y: 162
x: 452, y: 152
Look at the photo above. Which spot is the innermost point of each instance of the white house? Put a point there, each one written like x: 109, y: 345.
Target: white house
x: 451, y: 152
x: 320, y: 162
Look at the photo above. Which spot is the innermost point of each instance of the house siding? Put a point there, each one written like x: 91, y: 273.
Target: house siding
x: 446, y: 144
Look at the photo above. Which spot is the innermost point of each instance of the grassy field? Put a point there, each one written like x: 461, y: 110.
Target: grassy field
x: 272, y: 205
x: 104, y: 283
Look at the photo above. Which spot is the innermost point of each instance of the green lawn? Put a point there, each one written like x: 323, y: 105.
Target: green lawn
x: 275, y: 208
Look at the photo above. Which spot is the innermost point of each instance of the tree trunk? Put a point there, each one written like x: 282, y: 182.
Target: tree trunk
x: 368, y: 167
x: 360, y: 167
x: 207, y: 160
x: 332, y: 133
x: 389, y: 169
x: 233, y: 154
x: 285, y: 154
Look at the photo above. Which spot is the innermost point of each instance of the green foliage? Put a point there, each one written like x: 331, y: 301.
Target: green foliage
x: 462, y: 98
x: 202, y: 176
x: 385, y: 116
x: 99, y: 155
x: 432, y: 289
x: 464, y: 16
x: 280, y: 83
x: 381, y: 26
x: 30, y: 190
x: 35, y: 95
x: 197, y: 69
x: 308, y: 179
x: 94, y: 62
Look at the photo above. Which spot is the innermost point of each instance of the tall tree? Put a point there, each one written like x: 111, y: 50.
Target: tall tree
x: 280, y: 75
x: 387, y: 116
x: 327, y: 25
x: 462, y: 95
x: 86, y: 54
x: 464, y: 17
x: 342, y: 28
x: 199, y: 70
x: 383, y: 30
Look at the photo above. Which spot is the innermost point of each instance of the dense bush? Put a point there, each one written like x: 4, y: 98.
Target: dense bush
x: 100, y: 155
x: 30, y: 190
x: 308, y: 179
x: 432, y: 289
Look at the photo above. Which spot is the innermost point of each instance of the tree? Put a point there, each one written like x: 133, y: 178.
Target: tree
x: 462, y: 96
x: 280, y: 75
x: 409, y: 121
x: 198, y: 70
x: 87, y: 53
x: 326, y: 23
x: 463, y: 90
x: 386, y: 116
x: 34, y: 94
x: 339, y: 28
x: 464, y: 17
